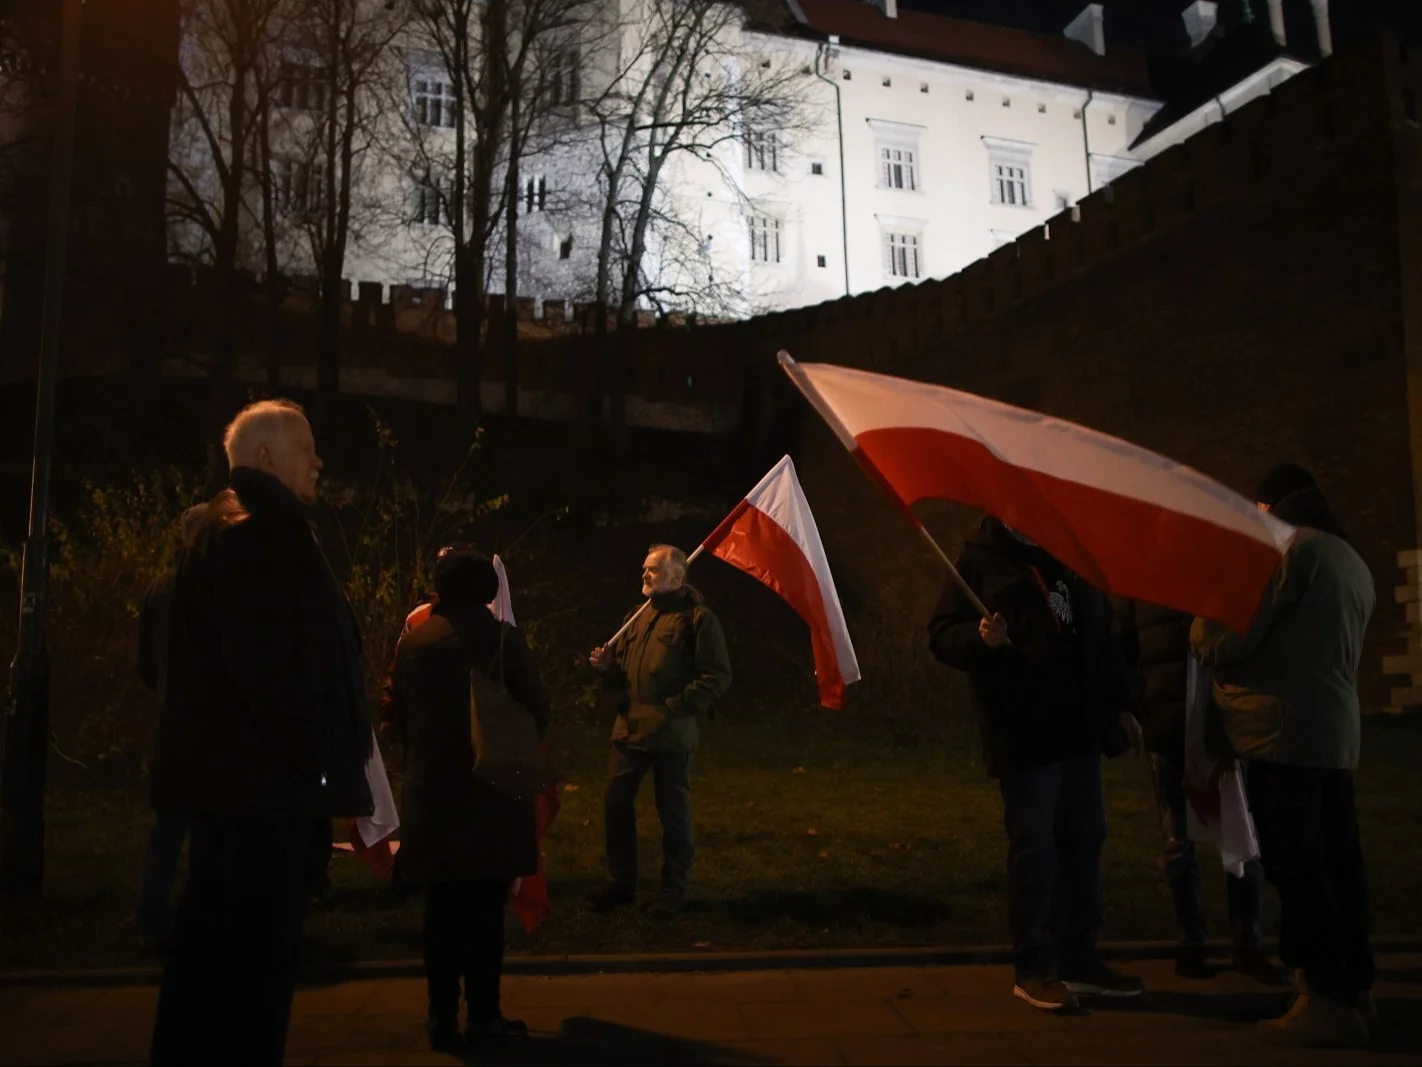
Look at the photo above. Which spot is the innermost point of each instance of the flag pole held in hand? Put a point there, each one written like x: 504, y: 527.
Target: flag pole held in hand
x: 788, y: 364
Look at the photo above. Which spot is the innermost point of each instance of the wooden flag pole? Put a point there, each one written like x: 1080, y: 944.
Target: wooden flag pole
x: 788, y: 364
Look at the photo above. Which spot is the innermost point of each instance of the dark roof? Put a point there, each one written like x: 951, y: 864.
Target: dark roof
x: 1216, y: 67
x: 978, y: 45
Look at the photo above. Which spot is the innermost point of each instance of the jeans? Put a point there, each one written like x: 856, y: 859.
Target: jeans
x: 1182, y: 869
x: 464, y: 935
x: 671, y: 773
x: 159, y: 871
x: 1307, y: 823
x: 227, y: 988
x: 1056, y: 826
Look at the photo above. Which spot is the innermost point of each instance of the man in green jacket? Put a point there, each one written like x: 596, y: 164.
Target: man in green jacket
x: 669, y: 666
x: 1287, y: 696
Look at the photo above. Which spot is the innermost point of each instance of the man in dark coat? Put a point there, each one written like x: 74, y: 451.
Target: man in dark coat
x: 668, y: 667
x: 1287, y: 696
x: 264, y: 729
x: 460, y: 839
x: 1051, y: 695
x: 1156, y: 642
x: 165, y: 840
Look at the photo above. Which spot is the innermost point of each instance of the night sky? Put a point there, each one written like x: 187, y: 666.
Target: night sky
x: 1154, y: 26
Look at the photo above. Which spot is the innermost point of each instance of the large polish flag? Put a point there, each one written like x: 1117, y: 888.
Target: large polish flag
x: 772, y: 536
x: 1129, y: 521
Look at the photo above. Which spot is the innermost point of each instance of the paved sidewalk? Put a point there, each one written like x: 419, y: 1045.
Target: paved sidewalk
x: 888, y: 1015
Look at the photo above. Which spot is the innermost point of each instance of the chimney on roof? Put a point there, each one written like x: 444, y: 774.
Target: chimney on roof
x: 1201, y: 18
x: 1276, y: 22
x: 1325, y: 31
x: 1089, y: 28
x: 889, y: 8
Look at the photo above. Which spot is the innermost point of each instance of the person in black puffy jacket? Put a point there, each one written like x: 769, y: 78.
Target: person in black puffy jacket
x: 1052, y: 696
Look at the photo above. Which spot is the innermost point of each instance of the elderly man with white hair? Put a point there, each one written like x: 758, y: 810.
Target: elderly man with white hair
x: 669, y: 665
x: 264, y: 731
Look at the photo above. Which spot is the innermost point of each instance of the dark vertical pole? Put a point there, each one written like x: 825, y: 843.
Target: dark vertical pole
x: 26, y: 736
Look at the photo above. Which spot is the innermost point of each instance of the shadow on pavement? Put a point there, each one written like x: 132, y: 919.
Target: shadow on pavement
x: 1399, y: 1028
x: 593, y: 1041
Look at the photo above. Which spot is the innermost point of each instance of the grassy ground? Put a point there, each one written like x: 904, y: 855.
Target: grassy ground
x: 828, y: 840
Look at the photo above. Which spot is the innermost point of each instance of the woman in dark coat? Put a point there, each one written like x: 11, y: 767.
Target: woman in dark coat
x: 1156, y: 644
x: 462, y: 841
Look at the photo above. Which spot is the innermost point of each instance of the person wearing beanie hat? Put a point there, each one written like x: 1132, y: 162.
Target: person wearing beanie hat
x: 1282, y: 481
x: 463, y: 842
x: 1286, y: 694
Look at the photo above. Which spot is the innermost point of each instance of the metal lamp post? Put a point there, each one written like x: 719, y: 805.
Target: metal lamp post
x: 26, y: 735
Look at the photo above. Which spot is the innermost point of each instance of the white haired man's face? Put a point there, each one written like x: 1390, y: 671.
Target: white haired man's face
x: 291, y: 458
x: 660, y: 574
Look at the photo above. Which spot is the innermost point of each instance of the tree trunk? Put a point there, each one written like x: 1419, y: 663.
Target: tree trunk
x: 510, y: 333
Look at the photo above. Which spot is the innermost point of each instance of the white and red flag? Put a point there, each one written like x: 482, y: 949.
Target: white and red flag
x: 771, y: 535
x: 1127, y: 520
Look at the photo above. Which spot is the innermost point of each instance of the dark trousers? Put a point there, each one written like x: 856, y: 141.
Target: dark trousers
x: 464, y: 936
x: 671, y: 779
x: 318, y: 858
x: 160, y: 869
x: 1182, y: 869
x: 1307, y: 823
x: 1056, y: 825
x: 227, y: 988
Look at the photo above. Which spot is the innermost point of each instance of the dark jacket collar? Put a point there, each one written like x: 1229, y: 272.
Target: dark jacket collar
x: 1309, y: 507
x: 678, y: 600
x: 262, y: 492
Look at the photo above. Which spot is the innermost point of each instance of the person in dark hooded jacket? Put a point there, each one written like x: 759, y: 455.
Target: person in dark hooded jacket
x: 1052, y: 695
x: 1156, y: 643
x: 462, y: 840
x: 1286, y: 694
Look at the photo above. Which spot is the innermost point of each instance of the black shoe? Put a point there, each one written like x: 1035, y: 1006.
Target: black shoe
x: 483, y: 1035
x: 1254, y: 961
x: 445, y: 1037
x: 1190, y: 962
x: 665, y: 907
x: 610, y: 895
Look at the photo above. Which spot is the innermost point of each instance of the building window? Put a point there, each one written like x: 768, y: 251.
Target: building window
x: 817, y: 168
x: 432, y: 101
x: 535, y: 194
x: 848, y: 76
x: 762, y: 150
x: 902, y: 255
x: 1009, y: 171
x: 297, y: 187
x: 564, y: 77
x: 888, y: 82
x: 1009, y: 184
x: 428, y: 205
x: 565, y: 247
x: 896, y: 151
x: 819, y: 261
x: 301, y: 86
x: 765, y: 239
x: 897, y: 168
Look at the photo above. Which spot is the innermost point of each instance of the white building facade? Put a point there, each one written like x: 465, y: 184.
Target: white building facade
x: 928, y: 142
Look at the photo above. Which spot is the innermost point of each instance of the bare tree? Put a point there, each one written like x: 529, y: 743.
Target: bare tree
x: 225, y: 45
x: 686, y: 91
x: 336, y: 61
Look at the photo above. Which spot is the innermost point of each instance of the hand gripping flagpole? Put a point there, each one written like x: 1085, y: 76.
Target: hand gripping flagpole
x: 796, y: 375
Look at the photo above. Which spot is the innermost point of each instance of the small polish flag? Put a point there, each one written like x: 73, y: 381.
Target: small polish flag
x: 771, y: 535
